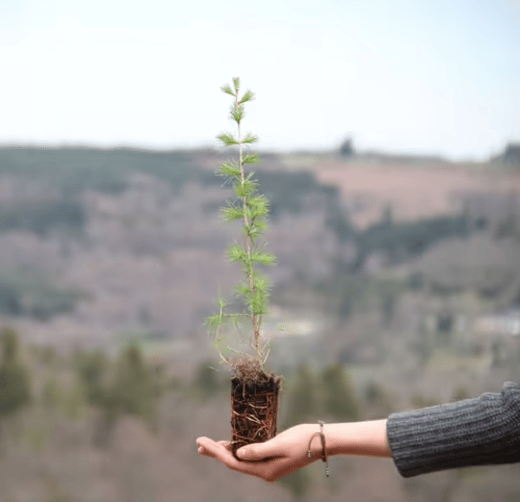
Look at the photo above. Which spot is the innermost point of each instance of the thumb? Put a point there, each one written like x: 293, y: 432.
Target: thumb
x: 256, y: 451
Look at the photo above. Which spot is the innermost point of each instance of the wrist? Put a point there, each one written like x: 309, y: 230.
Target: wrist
x: 323, y: 444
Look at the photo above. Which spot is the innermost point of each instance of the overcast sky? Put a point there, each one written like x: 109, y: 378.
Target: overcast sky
x: 410, y: 76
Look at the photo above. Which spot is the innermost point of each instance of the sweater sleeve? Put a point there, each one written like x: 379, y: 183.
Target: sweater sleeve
x: 479, y: 431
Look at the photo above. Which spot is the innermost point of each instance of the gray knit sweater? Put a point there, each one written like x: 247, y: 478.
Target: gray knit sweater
x: 479, y: 431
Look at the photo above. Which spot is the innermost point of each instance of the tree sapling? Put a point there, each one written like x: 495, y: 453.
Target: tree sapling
x: 254, y: 393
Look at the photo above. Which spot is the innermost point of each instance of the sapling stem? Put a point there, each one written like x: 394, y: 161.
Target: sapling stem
x: 256, y: 319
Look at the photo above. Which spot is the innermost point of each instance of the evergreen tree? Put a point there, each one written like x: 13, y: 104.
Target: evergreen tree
x: 10, y: 344
x: 51, y: 393
x: 132, y: 391
x: 339, y: 399
x: 158, y: 380
x: 206, y: 383
x: 15, y: 384
x: 91, y: 373
x: 302, y: 396
x: 377, y: 400
x: 75, y: 401
x: 298, y: 482
x: 346, y: 149
x: 47, y: 355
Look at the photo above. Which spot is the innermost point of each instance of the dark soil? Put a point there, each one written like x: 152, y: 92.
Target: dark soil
x: 254, y: 409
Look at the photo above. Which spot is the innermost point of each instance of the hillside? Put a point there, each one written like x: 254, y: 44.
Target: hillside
x: 101, y: 245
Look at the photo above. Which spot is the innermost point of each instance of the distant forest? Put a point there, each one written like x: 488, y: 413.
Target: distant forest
x: 75, y: 170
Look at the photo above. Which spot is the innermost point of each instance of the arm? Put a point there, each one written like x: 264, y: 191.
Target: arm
x: 478, y: 431
x: 287, y: 452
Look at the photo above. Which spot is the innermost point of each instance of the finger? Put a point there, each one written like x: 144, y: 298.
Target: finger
x: 204, y: 440
x: 259, y: 451
x: 202, y: 443
x: 202, y: 451
x: 218, y: 450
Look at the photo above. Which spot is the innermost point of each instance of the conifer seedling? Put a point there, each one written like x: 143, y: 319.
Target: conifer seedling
x: 254, y: 393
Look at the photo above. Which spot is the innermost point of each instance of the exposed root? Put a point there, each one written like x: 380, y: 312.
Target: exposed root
x: 254, y: 403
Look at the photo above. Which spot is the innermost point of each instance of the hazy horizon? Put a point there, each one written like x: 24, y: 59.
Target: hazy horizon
x: 432, y: 78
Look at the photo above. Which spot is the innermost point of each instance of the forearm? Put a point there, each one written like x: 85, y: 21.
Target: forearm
x: 479, y: 431
x: 367, y: 438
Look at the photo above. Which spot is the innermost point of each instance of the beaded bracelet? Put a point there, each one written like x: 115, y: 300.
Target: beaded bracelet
x: 323, y: 448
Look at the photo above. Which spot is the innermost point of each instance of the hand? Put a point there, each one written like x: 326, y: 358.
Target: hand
x: 285, y: 453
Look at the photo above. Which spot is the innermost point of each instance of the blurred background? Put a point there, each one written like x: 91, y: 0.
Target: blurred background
x: 390, y: 145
